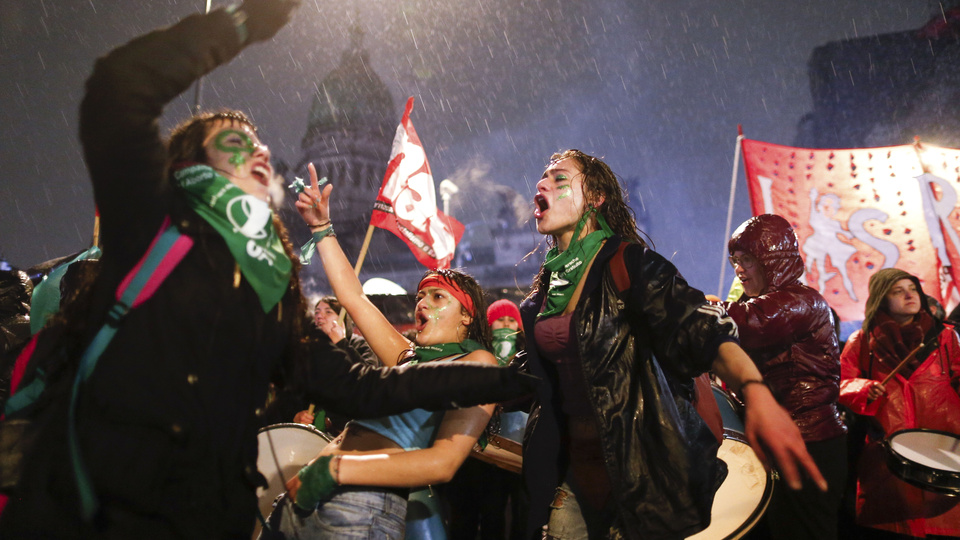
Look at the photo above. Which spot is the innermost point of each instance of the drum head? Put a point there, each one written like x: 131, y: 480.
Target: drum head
x: 744, y: 495
x: 283, y: 450
x: 934, y: 449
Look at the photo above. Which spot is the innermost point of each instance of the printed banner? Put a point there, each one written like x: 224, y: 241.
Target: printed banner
x: 407, y: 202
x: 859, y: 210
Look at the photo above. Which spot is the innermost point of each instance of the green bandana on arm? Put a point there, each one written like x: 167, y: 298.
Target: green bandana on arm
x: 246, y: 225
x: 567, y: 267
x: 316, y: 483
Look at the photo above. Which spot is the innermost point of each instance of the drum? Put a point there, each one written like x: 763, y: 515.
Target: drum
x: 926, y: 458
x: 745, y: 493
x: 283, y: 450
x: 505, y: 449
x: 731, y: 410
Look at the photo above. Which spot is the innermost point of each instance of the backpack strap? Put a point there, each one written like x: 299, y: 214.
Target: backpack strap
x: 165, y: 252
x: 21, y: 398
x: 618, y: 269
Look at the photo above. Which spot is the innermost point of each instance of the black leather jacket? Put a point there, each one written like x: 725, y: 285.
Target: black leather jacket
x: 639, y: 351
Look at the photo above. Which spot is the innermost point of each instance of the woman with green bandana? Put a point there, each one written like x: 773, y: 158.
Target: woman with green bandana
x: 614, y: 446
x: 160, y: 439
x: 360, y: 481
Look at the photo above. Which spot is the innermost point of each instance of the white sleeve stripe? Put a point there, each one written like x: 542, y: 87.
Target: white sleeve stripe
x: 721, y: 315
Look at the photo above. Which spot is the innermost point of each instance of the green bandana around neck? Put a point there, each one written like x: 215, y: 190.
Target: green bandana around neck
x: 429, y: 353
x: 567, y: 267
x: 504, y: 344
x: 246, y: 225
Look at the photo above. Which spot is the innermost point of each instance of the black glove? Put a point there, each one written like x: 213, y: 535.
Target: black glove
x: 266, y: 17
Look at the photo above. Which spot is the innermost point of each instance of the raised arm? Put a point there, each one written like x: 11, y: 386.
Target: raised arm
x: 125, y: 97
x: 314, y: 206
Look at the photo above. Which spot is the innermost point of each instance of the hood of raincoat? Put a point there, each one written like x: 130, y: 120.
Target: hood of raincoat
x: 770, y: 239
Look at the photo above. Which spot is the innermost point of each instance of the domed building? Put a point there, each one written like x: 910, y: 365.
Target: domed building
x: 350, y: 131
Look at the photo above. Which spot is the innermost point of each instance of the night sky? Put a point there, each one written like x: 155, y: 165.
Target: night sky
x: 655, y: 88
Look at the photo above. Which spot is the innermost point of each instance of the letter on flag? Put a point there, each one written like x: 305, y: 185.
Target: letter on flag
x: 407, y: 202
x: 859, y: 210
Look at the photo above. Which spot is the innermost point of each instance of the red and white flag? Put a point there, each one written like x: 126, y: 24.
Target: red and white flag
x: 407, y: 202
x: 859, y: 210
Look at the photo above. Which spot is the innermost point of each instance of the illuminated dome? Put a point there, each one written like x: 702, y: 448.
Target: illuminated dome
x: 351, y: 98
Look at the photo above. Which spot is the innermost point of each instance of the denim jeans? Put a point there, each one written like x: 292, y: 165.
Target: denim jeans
x: 569, y: 520
x: 352, y: 512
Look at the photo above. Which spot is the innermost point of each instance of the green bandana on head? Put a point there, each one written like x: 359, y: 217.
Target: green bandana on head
x: 504, y: 344
x: 567, y: 267
x: 246, y: 224
x: 428, y: 353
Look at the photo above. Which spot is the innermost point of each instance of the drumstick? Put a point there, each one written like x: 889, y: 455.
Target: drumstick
x: 902, y: 364
x: 310, y: 409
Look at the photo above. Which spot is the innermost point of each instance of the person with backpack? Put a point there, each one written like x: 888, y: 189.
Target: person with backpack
x: 614, y: 446
x: 900, y: 371
x: 787, y: 329
x: 142, y: 398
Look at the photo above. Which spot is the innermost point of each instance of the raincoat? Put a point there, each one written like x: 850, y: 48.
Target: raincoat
x: 788, y: 330
x: 926, y: 399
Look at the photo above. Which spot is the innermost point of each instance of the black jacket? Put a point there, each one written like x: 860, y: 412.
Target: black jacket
x: 639, y: 352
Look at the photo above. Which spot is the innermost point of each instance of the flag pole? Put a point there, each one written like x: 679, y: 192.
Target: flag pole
x: 363, y: 250
x: 96, y: 229
x: 198, y: 89
x: 733, y: 193
x: 356, y: 268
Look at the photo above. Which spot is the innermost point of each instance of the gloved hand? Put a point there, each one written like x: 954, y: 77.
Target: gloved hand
x: 266, y: 17
x: 316, y: 484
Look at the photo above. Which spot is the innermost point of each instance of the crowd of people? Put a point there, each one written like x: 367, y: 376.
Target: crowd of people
x: 134, y: 412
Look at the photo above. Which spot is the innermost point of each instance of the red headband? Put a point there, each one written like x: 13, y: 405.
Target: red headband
x: 447, y: 284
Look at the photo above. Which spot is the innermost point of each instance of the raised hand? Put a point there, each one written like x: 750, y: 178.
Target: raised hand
x: 266, y: 17
x: 314, y: 204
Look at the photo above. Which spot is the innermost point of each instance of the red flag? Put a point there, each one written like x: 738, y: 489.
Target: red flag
x: 407, y: 202
x: 859, y: 210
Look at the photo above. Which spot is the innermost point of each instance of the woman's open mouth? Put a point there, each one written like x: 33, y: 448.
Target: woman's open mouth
x: 541, y: 205
x: 421, y: 320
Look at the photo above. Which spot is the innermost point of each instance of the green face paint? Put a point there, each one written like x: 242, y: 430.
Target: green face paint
x: 438, y: 311
x: 231, y: 147
x: 565, y: 191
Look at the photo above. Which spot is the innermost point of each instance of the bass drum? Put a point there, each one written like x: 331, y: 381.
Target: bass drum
x: 505, y: 448
x: 745, y: 493
x: 926, y: 458
x: 283, y: 450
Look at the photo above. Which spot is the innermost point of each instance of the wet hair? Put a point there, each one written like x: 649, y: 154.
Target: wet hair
x: 186, y: 140
x: 600, y: 183
x: 478, y: 329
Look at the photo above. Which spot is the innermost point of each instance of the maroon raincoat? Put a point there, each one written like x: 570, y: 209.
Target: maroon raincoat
x: 788, y: 330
